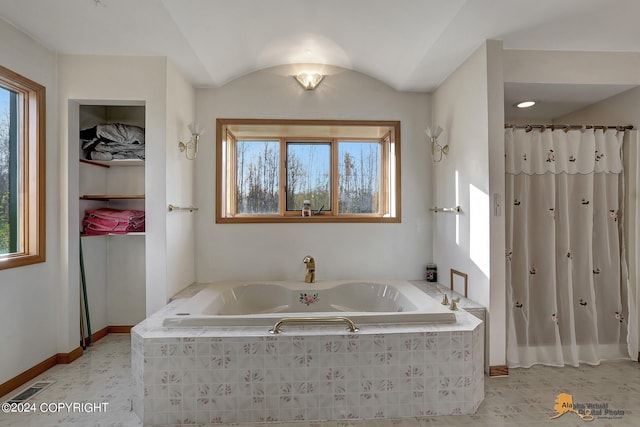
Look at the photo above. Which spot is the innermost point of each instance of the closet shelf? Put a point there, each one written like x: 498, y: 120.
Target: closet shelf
x: 112, y: 196
x: 109, y: 163
x: 137, y: 233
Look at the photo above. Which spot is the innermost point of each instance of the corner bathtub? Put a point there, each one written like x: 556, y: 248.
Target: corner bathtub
x: 208, y: 358
x: 263, y: 303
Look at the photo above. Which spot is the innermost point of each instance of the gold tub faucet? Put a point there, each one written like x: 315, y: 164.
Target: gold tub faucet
x: 310, y: 277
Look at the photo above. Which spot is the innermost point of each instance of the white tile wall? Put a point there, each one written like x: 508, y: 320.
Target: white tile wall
x: 184, y: 376
x: 525, y: 398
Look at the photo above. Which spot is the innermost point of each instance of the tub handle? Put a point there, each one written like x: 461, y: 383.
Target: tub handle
x: 351, y: 327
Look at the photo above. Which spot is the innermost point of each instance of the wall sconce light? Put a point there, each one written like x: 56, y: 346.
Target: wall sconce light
x: 190, y: 148
x: 437, y: 150
x: 309, y: 81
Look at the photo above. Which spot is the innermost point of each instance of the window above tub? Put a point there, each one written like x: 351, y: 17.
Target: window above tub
x: 348, y: 171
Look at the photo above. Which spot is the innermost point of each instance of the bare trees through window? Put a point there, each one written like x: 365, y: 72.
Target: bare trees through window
x: 359, y: 177
x: 8, y: 221
x: 308, y: 175
x: 266, y: 169
x: 258, y: 179
x: 22, y: 170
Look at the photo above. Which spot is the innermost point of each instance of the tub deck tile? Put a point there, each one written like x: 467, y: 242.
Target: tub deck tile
x: 388, y: 372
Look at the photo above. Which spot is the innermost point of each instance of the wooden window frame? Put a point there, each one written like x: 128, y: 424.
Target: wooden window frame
x: 390, y: 196
x: 32, y: 170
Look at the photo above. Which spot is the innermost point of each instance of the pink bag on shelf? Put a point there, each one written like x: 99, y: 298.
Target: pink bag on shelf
x: 112, y: 221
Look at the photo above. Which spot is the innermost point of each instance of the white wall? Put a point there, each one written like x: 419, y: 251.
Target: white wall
x: 622, y: 109
x: 106, y: 78
x: 29, y: 295
x: 179, y: 183
x: 469, y: 106
x: 535, y: 66
x: 39, y: 304
x: 495, y: 119
x: 342, y: 251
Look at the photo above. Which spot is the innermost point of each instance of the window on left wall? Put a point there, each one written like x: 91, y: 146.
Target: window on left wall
x: 22, y: 170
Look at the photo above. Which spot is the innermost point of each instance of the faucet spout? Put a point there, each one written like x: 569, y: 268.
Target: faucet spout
x: 310, y: 276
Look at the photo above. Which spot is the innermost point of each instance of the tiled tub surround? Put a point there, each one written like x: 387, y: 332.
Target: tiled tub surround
x: 233, y: 375
x: 436, y: 290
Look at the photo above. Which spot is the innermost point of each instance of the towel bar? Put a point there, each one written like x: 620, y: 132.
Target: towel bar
x: 446, y: 210
x: 180, y: 208
x: 351, y: 327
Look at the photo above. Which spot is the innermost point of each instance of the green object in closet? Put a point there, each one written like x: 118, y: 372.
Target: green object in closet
x: 84, y: 293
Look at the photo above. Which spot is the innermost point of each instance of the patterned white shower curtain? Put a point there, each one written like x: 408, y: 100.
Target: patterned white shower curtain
x: 567, y: 285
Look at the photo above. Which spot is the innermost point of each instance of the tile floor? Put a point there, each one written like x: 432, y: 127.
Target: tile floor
x: 525, y: 398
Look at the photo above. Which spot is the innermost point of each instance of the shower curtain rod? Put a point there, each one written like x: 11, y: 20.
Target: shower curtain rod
x: 566, y: 128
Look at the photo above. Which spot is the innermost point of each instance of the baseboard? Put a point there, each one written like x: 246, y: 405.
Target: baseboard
x: 66, y: 358
x: 28, y: 375
x: 57, y: 359
x: 498, y: 371
x: 98, y: 335
x: 119, y: 329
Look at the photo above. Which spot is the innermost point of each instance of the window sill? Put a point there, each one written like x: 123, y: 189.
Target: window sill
x: 20, y: 260
x: 350, y: 219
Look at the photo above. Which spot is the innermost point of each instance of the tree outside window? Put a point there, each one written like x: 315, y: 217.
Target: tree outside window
x: 22, y: 170
x: 348, y: 171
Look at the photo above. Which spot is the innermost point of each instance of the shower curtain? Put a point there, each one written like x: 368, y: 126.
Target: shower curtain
x: 567, y: 284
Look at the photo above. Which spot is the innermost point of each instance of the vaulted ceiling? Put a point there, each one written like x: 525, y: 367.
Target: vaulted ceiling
x: 410, y: 45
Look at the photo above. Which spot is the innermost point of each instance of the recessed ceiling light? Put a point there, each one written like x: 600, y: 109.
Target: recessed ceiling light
x: 525, y: 104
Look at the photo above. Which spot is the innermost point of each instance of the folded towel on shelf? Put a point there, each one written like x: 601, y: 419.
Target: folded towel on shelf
x: 113, y: 141
x: 113, y: 221
x: 105, y: 150
x: 116, y: 132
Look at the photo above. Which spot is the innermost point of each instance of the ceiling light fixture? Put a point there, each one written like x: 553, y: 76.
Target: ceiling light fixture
x: 525, y: 104
x: 309, y: 81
